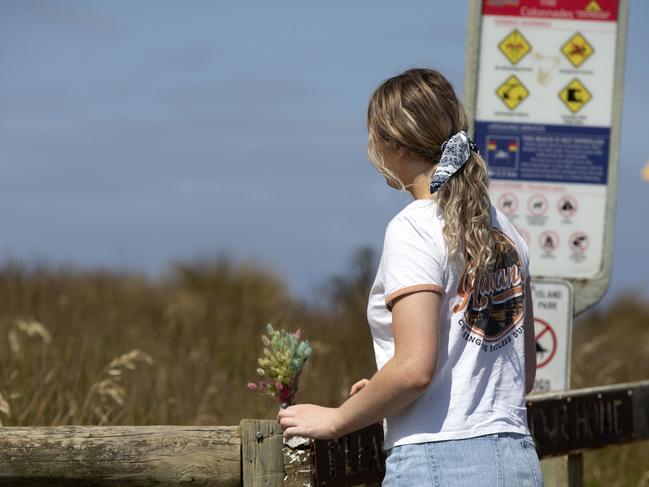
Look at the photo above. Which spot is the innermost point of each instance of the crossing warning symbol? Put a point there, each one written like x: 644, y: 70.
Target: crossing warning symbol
x: 575, y: 95
x: 512, y: 92
x: 514, y: 46
x: 593, y: 6
x: 577, y: 49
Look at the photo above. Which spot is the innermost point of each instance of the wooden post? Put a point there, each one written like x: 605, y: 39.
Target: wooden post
x: 566, y: 470
x: 262, y: 459
x: 269, y: 461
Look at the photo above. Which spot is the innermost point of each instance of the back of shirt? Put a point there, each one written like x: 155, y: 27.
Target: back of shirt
x: 479, y: 382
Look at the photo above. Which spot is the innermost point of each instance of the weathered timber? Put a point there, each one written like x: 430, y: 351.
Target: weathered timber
x: 261, y: 453
x: 580, y: 419
x: 120, y: 455
x: 354, y: 459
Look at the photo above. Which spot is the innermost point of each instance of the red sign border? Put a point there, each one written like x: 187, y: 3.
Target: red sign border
x: 556, y: 10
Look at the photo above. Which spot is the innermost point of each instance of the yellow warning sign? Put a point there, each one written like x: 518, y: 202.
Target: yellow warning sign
x: 575, y: 95
x: 577, y: 49
x: 593, y: 6
x: 512, y: 92
x: 514, y: 46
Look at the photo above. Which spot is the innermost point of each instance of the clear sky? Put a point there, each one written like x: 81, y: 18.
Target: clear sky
x: 133, y: 133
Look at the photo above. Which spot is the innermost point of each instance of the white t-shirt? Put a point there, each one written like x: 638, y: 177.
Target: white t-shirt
x: 478, y: 386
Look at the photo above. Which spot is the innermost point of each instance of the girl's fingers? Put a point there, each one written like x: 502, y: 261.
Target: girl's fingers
x: 358, y: 386
x: 287, y: 422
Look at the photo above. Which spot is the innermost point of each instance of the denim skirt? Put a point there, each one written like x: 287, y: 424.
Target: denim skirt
x: 493, y: 460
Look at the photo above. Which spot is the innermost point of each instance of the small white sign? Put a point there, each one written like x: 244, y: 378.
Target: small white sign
x: 553, y: 331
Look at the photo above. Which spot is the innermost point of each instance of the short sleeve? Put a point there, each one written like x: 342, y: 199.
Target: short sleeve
x: 523, y: 252
x: 413, y: 260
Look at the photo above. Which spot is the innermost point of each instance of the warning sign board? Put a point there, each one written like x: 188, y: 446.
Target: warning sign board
x: 575, y: 95
x: 514, y: 46
x: 552, y: 301
x: 577, y: 49
x: 512, y: 92
x: 544, y: 89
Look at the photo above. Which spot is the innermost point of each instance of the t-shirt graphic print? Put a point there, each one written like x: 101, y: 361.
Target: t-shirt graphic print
x: 493, y: 302
x: 478, y: 386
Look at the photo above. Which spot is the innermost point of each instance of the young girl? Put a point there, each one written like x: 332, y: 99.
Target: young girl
x: 450, y: 309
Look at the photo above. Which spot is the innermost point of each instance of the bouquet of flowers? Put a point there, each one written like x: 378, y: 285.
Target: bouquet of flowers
x: 283, y: 358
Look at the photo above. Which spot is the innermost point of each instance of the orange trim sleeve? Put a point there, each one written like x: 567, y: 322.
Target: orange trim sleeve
x: 411, y: 289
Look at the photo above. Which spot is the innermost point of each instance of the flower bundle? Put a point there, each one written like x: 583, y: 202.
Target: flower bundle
x: 283, y: 358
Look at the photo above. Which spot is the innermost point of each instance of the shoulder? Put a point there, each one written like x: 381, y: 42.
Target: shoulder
x: 420, y: 223
x: 423, y: 214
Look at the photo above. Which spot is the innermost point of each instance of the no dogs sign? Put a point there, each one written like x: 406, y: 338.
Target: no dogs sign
x: 553, y: 332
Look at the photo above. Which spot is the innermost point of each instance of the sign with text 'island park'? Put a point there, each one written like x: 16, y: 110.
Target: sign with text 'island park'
x: 543, y: 119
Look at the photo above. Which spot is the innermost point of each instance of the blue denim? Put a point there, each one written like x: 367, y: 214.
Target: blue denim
x: 494, y: 460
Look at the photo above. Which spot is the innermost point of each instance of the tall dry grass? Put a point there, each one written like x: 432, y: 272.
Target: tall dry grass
x: 108, y: 347
x: 611, y: 345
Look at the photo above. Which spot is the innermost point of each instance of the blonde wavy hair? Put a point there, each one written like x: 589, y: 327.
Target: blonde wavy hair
x: 417, y: 111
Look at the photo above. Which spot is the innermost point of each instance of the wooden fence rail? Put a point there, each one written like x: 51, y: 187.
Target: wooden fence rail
x: 254, y: 453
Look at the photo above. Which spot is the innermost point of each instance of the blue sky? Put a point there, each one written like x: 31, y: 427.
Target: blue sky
x: 134, y: 133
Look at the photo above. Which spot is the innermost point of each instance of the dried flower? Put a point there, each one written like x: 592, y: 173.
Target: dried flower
x: 282, y: 361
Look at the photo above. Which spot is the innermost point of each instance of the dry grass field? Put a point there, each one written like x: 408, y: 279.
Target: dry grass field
x: 106, y: 347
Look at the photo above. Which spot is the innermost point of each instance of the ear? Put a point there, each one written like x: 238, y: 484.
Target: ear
x: 403, y: 153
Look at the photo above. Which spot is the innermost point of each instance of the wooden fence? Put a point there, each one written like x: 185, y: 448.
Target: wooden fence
x: 255, y: 454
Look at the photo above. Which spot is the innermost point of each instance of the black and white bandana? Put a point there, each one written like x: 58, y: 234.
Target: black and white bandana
x: 455, y: 152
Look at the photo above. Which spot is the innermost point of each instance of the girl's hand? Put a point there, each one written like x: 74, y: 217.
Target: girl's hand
x: 358, y: 386
x: 310, y: 421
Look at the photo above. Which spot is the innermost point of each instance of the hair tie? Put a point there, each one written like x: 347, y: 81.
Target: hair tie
x: 455, y: 152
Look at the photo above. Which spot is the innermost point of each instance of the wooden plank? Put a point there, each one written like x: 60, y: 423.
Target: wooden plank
x: 640, y: 411
x: 120, y: 455
x: 588, y: 418
x: 354, y: 459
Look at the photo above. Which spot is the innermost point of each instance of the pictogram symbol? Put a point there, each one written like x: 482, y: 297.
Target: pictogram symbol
x: 577, y: 49
x: 549, y: 241
x: 593, y: 6
x: 567, y: 206
x: 508, y: 203
x: 537, y: 204
x: 514, y: 46
x: 546, y: 342
x: 579, y: 242
x: 502, y: 151
x: 575, y: 95
x: 512, y: 92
